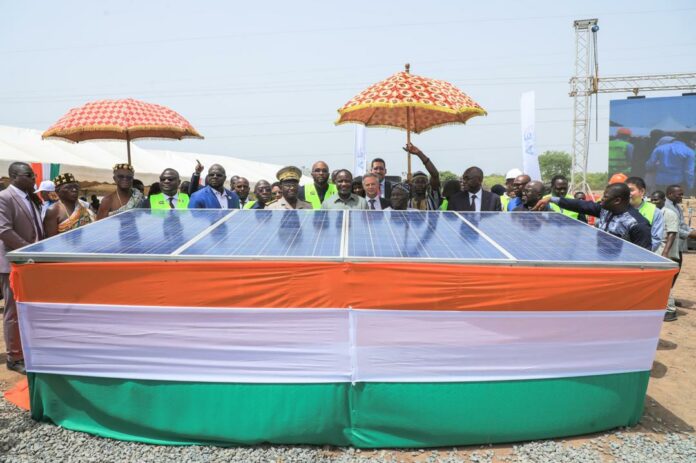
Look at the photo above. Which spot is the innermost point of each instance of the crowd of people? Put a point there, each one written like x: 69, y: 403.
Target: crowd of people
x: 28, y: 214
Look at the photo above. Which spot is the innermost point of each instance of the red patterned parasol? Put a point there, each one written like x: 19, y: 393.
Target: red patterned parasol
x: 126, y: 119
x: 412, y: 103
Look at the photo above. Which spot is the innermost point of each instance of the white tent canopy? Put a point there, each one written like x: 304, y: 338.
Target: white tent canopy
x: 94, y: 160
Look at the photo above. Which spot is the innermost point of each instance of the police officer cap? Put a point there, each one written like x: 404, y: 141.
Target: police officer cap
x: 289, y: 173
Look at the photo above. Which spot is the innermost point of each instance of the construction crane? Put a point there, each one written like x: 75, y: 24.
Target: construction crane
x: 587, y: 83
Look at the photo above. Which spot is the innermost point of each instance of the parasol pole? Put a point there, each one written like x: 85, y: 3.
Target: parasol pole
x: 128, y: 145
x: 408, y: 131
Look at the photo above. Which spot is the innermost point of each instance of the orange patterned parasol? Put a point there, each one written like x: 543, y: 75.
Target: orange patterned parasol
x: 126, y: 119
x: 412, y: 103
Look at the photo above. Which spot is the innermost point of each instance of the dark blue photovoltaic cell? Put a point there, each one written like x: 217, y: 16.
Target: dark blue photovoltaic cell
x: 263, y: 233
x: 553, y: 237
x: 139, y: 231
x: 415, y: 234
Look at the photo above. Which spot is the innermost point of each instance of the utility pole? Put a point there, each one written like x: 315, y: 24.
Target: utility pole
x: 587, y: 83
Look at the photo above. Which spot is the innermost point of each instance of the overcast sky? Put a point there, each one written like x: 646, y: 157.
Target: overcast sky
x: 262, y: 80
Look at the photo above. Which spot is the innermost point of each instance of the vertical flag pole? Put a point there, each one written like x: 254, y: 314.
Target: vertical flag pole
x: 408, y: 130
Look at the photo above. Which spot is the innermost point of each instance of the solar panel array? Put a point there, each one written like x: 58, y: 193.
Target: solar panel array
x: 537, y: 238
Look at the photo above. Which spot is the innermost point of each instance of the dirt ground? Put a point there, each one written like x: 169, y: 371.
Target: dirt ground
x: 670, y: 405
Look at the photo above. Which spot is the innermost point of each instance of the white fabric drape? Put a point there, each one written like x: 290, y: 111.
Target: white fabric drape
x: 332, y: 345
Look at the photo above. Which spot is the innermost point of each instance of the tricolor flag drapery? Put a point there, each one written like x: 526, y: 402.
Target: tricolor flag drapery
x: 371, y: 354
x: 45, y: 171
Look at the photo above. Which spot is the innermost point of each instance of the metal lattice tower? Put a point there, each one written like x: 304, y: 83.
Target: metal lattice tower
x: 582, y: 86
x: 587, y: 82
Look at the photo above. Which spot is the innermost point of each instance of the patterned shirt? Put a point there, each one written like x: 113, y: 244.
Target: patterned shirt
x: 628, y: 225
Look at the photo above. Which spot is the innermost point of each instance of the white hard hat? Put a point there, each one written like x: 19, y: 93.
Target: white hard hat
x: 46, y: 185
x: 512, y: 173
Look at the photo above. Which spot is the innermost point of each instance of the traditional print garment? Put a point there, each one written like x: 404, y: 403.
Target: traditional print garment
x: 82, y: 215
x: 135, y: 199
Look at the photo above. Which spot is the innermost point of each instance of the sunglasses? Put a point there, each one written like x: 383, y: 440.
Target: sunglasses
x: 124, y: 177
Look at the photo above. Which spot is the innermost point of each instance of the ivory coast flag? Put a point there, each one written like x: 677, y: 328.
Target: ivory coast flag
x: 45, y: 171
x: 363, y: 354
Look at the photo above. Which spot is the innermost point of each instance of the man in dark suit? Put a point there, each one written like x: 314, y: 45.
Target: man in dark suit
x: 20, y: 225
x: 375, y: 202
x: 379, y: 168
x: 215, y: 195
x: 475, y: 199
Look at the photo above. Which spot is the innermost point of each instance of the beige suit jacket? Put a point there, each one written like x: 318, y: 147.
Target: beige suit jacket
x: 16, y: 225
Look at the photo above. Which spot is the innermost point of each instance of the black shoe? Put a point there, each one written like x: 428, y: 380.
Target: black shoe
x: 18, y: 366
x: 670, y: 316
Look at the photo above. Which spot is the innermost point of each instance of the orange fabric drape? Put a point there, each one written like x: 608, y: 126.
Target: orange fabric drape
x: 19, y: 394
x: 417, y: 286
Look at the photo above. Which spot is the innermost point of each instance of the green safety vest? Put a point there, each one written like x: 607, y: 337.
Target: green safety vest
x: 443, y: 206
x: 159, y: 202
x: 557, y: 208
x: 249, y: 204
x: 504, y: 201
x: 647, y: 210
x: 312, y: 196
x: 618, y: 160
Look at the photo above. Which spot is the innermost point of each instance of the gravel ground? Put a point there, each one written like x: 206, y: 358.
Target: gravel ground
x: 24, y: 440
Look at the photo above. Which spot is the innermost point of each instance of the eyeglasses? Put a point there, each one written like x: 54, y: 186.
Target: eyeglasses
x: 321, y: 171
x: 124, y: 177
x: 263, y: 188
x: 216, y: 175
x: 31, y: 175
x: 168, y: 179
x: 71, y: 187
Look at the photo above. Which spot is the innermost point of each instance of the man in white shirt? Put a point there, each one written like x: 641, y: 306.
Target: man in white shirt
x: 375, y: 202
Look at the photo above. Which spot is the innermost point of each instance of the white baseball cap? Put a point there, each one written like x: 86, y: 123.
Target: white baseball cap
x: 512, y: 173
x: 46, y: 185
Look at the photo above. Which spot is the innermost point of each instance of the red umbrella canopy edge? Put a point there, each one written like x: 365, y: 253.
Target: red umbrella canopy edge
x: 125, y: 119
x: 410, y: 102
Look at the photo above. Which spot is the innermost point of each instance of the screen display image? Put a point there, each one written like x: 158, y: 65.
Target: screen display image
x: 654, y: 138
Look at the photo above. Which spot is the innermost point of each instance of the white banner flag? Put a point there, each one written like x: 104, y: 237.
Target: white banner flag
x: 360, y: 166
x: 530, y: 160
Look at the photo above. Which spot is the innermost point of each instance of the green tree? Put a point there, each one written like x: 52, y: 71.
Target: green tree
x: 447, y: 175
x: 554, y: 163
x: 493, y: 179
x: 597, y: 180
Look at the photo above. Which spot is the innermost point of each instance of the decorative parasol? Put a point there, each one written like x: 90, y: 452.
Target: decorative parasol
x: 126, y: 119
x: 412, y: 103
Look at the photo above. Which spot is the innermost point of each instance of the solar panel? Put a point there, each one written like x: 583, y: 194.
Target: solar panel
x: 138, y: 231
x: 217, y: 234
x: 416, y: 235
x: 553, y: 237
x: 264, y: 233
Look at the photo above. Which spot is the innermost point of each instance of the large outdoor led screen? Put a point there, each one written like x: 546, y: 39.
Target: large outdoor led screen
x: 654, y: 138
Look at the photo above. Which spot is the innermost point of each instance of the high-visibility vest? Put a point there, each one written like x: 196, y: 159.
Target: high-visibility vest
x: 557, y: 208
x: 618, y: 159
x: 158, y: 201
x: 504, y: 200
x: 249, y: 204
x: 443, y: 206
x: 647, y: 210
x: 312, y: 196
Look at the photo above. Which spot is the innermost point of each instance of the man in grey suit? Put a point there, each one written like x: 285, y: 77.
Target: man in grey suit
x: 20, y: 225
